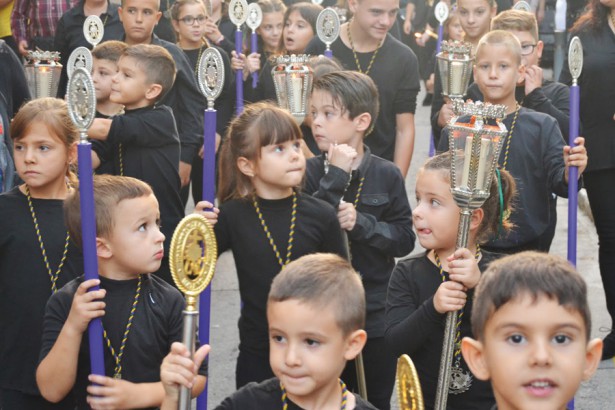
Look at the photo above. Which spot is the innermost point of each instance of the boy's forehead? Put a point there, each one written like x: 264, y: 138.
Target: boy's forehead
x: 142, y: 4
x: 495, y: 52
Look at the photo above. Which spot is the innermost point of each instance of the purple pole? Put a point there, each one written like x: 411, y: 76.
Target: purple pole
x: 573, y: 173
x: 329, y: 53
x: 90, y: 261
x: 239, y: 73
x: 209, y: 192
x: 432, y: 145
x: 254, y: 49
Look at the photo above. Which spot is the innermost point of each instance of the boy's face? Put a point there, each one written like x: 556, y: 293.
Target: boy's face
x: 139, y: 18
x: 330, y: 125
x: 102, y: 75
x: 531, y: 49
x: 129, y: 85
x: 497, y: 72
x: 535, y: 352
x: 135, y: 245
x: 375, y: 17
x: 307, y: 348
x: 475, y: 17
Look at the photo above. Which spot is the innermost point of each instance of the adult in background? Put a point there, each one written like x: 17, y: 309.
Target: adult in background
x: 596, y: 29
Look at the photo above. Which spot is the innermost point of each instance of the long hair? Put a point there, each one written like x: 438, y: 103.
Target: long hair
x: 594, y: 18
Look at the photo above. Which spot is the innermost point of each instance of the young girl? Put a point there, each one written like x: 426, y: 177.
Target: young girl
x: 270, y: 30
x: 36, y: 255
x: 265, y: 220
x: 219, y: 29
x: 299, y: 26
x: 424, y: 288
x: 189, y: 18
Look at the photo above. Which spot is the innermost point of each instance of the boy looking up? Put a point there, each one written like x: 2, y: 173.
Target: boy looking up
x: 372, y: 203
x: 144, y: 140
x: 532, y: 327
x: 141, y: 314
x: 139, y: 18
x: 534, y: 151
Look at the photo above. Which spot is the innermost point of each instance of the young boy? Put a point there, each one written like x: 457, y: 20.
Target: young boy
x: 144, y: 140
x: 316, y: 313
x: 532, y: 150
x: 372, y: 203
x: 532, y: 327
x: 141, y: 314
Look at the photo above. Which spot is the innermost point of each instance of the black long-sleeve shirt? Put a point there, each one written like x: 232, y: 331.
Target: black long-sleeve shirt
x: 383, y: 229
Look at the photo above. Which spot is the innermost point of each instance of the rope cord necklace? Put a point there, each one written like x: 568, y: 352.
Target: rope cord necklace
x: 291, y: 234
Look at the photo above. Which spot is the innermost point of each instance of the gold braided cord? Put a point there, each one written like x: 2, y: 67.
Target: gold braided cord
x: 117, y: 373
x: 53, y: 276
x: 344, y: 396
x: 354, y: 53
x: 291, y: 234
x: 509, y: 137
x: 121, y: 157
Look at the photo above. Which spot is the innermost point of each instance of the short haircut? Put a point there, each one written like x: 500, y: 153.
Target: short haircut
x: 352, y: 91
x: 123, y: 2
x: 157, y: 64
x: 516, y: 20
x: 109, y: 190
x: 110, y: 50
x: 324, y: 281
x: 501, y: 37
x: 528, y: 273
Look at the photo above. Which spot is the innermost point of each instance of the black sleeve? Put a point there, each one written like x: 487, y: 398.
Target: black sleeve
x: 552, y: 148
x: 56, y: 313
x: 334, y: 240
x: 154, y: 128
x: 60, y: 43
x: 408, y: 88
x: 558, y: 106
x: 315, y: 47
x: 436, y: 103
x: 330, y: 187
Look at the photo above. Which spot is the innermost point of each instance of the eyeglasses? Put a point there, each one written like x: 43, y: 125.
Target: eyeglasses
x: 527, y: 49
x: 189, y: 20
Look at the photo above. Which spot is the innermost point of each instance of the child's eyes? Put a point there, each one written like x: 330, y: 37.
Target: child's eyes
x: 561, y: 339
x: 516, y: 339
x: 278, y: 148
x: 503, y: 66
x: 18, y: 147
x: 434, y: 202
x: 463, y: 12
x: 297, y: 145
x: 312, y: 342
x: 277, y: 338
x: 44, y: 148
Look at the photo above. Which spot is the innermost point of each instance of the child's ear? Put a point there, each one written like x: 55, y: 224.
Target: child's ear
x: 539, y: 47
x: 246, y: 167
x: 473, y: 354
x: 103, y: 249
x: 520, y: 73
x: 72, y: 153
x: 153, y: 92
x: 592, y: 358
x: 354, y: 344
x: 476, y: 219
x: 363, y: 121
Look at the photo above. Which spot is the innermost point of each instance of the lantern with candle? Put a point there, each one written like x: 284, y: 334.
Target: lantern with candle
x: 455, y: 66
x: 43, y: 71
x: 292, y: 78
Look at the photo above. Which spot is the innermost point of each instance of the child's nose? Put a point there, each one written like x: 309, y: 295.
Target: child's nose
x: 292, y: 357
x: 29, y: 155
x: 541, y: 353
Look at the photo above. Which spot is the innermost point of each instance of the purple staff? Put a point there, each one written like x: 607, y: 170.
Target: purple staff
x: 81, y: 100
x: 211, y: 80
x: 328, y: 28
x: 441, y: 13
x: 238, y: 13
x: 255, y: 18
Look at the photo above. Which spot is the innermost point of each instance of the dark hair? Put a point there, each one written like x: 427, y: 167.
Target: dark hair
x: 110, y: 50
x: 595, y: 17
x: 307, y: 10
x: 259, y: 125
x: 157, y: 1
x: 157, y: 64
x: 528, y: 273
x: 53, y: 112
x: 322, y: 65
x: 352, y: 91
x: 491, y: 208
x: 109, y: 190
x: 324, y: 281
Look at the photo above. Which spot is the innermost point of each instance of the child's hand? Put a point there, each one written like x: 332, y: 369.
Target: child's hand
x: 86, y: 306
x: 347, y: 215
x: 108, y: 393
x: 576, y: 156
x: 212, y: 32
x: 208, y: 210
x: 533, y: 78
x: 463, y: 268
x: 449, y: 297
x: 445, y: 114
x: 253, y: 62
x: 178, y: 369
x: 341, y: 156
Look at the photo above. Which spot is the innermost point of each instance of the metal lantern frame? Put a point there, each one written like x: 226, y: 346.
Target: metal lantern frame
x: 292, y: 77
x: 455, y: 67
x: 43, y: 71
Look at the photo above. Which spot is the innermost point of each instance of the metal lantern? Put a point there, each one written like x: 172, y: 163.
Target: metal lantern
x: 292, y: 78
x: 43, y: 73
x: 455, y: 67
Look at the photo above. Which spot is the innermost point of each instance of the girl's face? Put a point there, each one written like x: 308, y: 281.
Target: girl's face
x: 475, y: 17
x: 455, y: 31
x: 190, y: 23
x: 436, y: 214
x: 297, y: 33
x: 42, y: 159
x: 270, y: 30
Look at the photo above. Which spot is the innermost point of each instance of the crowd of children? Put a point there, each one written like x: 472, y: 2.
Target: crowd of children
x: 315, y: 226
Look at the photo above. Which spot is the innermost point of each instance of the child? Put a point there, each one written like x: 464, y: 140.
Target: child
x: 145, y: 137
x: 475, y: 17
x: 370, y: 196
x: 425, y: 287
x: 270, y: 30
x: 532, y: 150
x: 141, y: 314
x: 264, y: 220
x: 36, y: 255
x: 532, y: 327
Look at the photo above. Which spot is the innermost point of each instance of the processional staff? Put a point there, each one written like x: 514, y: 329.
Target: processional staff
x: 328, y: 28
x: 254, y: 20
x: 238, y: 13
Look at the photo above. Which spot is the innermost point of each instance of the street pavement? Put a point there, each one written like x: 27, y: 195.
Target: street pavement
x: 596, y: 394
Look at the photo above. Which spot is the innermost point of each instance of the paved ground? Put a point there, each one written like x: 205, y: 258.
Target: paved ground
x: 593, y: 395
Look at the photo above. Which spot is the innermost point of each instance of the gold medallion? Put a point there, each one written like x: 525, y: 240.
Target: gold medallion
x: 409, y: 391
x: 193, y: 255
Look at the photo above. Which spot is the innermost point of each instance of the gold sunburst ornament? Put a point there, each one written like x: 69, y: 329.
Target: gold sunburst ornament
x: 409, y: 391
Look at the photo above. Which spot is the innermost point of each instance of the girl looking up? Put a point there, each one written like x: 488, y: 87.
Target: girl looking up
x: 425, y: 287
x: 36, y: 255
x: 265, y: 221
